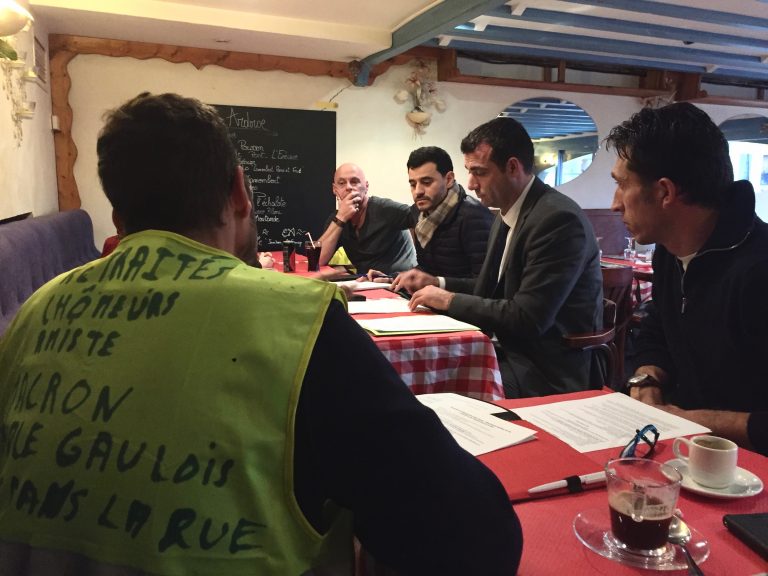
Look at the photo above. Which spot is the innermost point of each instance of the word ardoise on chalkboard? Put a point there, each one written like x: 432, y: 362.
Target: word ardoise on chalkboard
x: 289, y: 157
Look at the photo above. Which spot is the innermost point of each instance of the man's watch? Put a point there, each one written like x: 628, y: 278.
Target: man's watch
x: 642, y: 381
x: 339, y: 223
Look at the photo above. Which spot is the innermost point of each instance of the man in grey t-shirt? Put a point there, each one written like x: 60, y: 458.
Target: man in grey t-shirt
x: 373, y: 231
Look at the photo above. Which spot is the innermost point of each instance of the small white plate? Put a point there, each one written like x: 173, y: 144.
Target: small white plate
x: 745, y: 485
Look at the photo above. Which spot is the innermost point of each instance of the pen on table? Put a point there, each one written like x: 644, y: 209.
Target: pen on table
x: 573, y: 483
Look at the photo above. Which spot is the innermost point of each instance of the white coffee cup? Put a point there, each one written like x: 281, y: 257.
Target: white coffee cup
x: 711, y: 460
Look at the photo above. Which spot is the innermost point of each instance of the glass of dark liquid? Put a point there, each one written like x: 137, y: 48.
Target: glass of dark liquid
x: 312, y: 250
x: 289, y: 256
x: 642, y: 496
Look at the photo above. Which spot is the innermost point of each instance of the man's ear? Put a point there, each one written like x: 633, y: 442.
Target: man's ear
x: 240, y: 194
x: 513, y: 167
x: 667, y: 192
x: 450, y: 178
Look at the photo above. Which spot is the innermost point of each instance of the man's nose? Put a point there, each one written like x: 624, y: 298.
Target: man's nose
x: 617, y: 205
x: 472, y: 183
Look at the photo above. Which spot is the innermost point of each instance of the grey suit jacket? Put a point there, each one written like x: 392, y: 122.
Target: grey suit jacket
x: 551, y: 285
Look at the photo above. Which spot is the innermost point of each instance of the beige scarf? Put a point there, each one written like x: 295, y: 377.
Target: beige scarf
x: 427, y: 225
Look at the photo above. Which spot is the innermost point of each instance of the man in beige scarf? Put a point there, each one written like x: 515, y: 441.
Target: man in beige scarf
x: 451, y: 228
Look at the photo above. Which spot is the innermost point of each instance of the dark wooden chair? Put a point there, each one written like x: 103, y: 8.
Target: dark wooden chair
x: 617, y: 286
x: 604, y: 370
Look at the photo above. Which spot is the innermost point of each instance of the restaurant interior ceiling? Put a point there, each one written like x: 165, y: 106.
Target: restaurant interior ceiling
x: 718, y: 42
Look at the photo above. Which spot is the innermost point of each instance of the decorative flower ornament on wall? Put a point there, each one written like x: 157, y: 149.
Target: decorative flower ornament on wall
x: 421, y: 90
x: 16, y: 21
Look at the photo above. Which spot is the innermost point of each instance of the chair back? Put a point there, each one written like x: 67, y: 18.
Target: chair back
x: 617, y: 287
x: 603, y: 370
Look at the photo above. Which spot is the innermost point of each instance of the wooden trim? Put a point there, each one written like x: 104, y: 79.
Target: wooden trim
x: 557, y: 86
x: 198, y: 57
x: 729, y: 101
x: 64, y: 146
x: 419, y: 52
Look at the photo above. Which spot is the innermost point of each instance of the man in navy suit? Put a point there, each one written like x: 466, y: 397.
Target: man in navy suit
x: 541, y: 276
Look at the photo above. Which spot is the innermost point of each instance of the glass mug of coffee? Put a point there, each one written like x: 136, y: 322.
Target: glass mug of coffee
x: 711, y: 460
x: 312, y: 250
x: 642, y: 496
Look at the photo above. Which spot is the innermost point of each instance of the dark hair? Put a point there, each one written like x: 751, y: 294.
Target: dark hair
x: 679, y: 142
x: 440, y: 157
x: 166, y: 162
x: 506, y: 137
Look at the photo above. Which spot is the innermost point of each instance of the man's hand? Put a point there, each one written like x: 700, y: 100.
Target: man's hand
x: 376, y: 276
x: 412, y: 280
x: 266, y: 260
x: 647, y: 394
x: 432, y: 297
x: 349, y: 206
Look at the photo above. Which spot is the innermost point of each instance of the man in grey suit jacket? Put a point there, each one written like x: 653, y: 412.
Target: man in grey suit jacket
x: 537, y: 283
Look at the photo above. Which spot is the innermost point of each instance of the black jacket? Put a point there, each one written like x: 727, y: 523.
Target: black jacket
x: 457, y: 247
x: 708, y: 327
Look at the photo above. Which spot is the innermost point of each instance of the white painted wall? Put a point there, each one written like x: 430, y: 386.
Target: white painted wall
x: 27, y: 167
x: 371, y: 126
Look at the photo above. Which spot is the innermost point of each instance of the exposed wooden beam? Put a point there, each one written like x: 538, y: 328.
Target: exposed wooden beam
x: 427, y: 25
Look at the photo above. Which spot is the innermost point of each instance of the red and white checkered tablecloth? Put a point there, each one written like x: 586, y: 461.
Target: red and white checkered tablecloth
x: 460, y: 362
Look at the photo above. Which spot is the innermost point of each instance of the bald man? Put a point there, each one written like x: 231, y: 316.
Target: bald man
x: 373, y: 231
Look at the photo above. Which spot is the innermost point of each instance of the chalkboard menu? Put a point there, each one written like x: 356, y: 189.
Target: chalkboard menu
x: 289, y: 157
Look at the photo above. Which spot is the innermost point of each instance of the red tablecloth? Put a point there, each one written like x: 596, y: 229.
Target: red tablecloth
x: 550, y: 544
x: 548, y: 522
x: 460, y: 362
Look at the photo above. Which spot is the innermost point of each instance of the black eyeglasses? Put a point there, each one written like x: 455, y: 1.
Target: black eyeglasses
x: 642, y: 444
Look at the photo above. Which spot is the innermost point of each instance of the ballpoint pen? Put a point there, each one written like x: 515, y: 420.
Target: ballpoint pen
x: 572, y: 483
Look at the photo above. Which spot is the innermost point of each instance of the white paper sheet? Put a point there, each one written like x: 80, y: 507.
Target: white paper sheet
x: 605, y: 421
x: 472, y: 425
x: 363, y: 285
x: 382, y: 306
x: 414, y: 324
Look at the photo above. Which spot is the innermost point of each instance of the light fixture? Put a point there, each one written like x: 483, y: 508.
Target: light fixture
x: 13, y: 17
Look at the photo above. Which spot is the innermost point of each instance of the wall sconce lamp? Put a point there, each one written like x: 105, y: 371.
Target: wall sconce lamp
x: 13, y: 17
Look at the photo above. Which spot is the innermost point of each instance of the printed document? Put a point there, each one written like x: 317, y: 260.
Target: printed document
x: 382, y: 306
x: 472, y: 424
x: 605, y: 421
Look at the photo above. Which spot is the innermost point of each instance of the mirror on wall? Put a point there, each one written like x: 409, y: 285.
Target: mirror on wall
x: 747, y: 137
x: 564, y: 137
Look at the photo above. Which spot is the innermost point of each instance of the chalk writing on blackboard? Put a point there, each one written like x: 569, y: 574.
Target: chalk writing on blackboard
x: 288, y: 157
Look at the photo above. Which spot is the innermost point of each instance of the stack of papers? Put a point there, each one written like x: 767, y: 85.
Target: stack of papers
x: 413, y: 324
x: 473, y: 425
x: 382, y: 306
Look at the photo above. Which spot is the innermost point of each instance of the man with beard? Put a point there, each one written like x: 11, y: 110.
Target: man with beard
x: 541, y: 276
x: 169, y: 409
